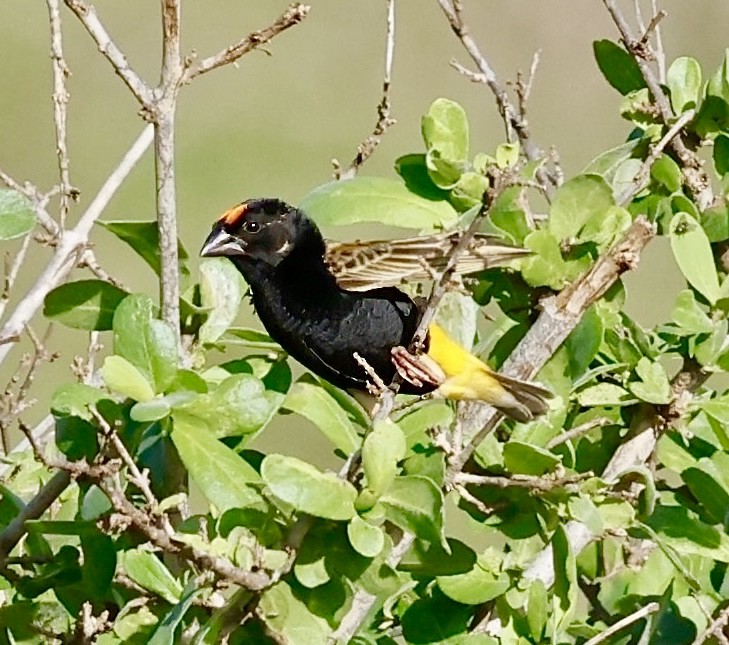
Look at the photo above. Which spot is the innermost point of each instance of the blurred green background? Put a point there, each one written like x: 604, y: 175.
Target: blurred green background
x: 271, y: 125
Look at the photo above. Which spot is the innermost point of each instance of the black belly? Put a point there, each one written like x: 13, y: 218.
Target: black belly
x: 323, y: 333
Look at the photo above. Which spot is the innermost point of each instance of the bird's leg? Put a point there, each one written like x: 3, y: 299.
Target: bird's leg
x: 418, y: 370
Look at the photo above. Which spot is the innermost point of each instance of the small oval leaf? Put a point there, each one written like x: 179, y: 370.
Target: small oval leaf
x: 84, y: 304
x: 308, y: 489
x: 376, y: 199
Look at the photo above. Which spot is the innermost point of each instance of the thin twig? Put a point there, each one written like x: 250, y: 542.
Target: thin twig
x: 658, y: 50
x: 60, y: 101
x: 715, y: 628
x: 66, y: 254
x: 90, y: 20
x: 11, y: 272
x: 514, y: 121
x: 696, y: 179
x: 293, y: 15
x: 577, y: 431
x: 529, y: 482
x: 384, y: 120
x: 641, y: 178
x: 650, y: 608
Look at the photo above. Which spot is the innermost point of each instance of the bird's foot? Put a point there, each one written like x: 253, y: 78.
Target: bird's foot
x: 417, y: 370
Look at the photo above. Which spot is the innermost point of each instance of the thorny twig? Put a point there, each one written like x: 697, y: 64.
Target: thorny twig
x: 384, y: 120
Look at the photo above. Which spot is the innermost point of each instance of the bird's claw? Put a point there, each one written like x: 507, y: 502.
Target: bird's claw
x: 417, y: 370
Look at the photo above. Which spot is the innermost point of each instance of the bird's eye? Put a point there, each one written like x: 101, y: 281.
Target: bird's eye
x: 251, y: 226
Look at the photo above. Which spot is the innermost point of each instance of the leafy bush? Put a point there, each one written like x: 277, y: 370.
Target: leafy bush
x: 611, y: 510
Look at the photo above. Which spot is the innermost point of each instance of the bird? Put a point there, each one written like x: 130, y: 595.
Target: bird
x: 337, y: 309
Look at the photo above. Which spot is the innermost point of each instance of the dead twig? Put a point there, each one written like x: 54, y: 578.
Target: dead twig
x: 384, y: 120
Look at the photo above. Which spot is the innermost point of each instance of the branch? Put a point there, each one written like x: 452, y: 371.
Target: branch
x: 514, y: 120
x: 88, y: 17
x: 384, y: 121
x: 293, y: 15
x: 696, y: 179
x: 60, y: 100
x: 71, y: 247
x: 715, y: 628
x: 560, y: 315
x: 650, y: 608
x: 14, y: 531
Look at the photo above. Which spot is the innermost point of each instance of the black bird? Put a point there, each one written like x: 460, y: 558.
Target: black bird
x: 325, y: 303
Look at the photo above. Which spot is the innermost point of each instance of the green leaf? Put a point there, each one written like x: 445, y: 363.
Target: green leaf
x: 146, y: 342
x: 383, y: 448
x: 414, y: 171
x: 666, y: 171
x: 684, y: 80
x: 546, y: 267
x: 718, y: 408
x: 314, y: 403
x: 482, y: 583
x: 16, y: 215
x: 84, y: 304
x: 308, y: 489
x: 721, y: 155
x: 576, y: 202
x: 224, y: 478
x: 147, y: 570
x: 688, y: 314
x: 221, y: 289
x: 637, y: 106
x: 693, y: 254
x: 416, y: 423
x: 718, y: 84
x: 165, y: 632
x: 124, y: 378
x: 682, y: 531
x: 443, y: 173
x: 143, y: 237
x: 148, y: 411
x: 99, y: 564
x: 584, y: 342
x: 240, y: 405
x: 523, y: 458
x: 375, y: 199
x: 617, y: 66
x: 606, y: 227
x: 706, y: 484
x: 366, y: 539
x: 290, y: 618
x: 537, y: 609
x: 565, y: 578
x: 445, y: 129
x: 653, y: 386
x: 415, y: 504
x: 468, y: 191
x: 507, y: 155
x: 604, y: 394
x: 74, y: 399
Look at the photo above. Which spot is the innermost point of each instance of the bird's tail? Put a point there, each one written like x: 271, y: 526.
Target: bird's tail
x: 524, y: 400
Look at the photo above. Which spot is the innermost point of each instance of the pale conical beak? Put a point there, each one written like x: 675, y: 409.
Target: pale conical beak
x: 220, y: 243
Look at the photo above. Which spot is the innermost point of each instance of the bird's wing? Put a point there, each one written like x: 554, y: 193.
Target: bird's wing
x: 360, y: 266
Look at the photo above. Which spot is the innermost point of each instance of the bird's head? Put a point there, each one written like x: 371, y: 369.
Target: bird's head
x: 266, y: 230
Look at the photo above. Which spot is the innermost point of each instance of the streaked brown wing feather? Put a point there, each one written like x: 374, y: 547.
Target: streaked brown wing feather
x: 359, y: 266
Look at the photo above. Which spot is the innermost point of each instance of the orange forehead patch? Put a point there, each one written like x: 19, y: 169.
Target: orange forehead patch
x: 233, y: 215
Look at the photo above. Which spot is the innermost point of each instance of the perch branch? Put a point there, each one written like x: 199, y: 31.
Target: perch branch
x: 650, y: 608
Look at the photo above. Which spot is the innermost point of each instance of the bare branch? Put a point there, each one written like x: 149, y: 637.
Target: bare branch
x: 11, y: 272
x: 642, y: 176
x: 650, y: 608
x: 384, y: 121
x: 14, y: 531
x: 293, y: 15
x: 715, y: 628
x: 696, y: 179
x: 89, y: 18
x: 71, y: 244
x: 577, y: 431
x: 60, y: 100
